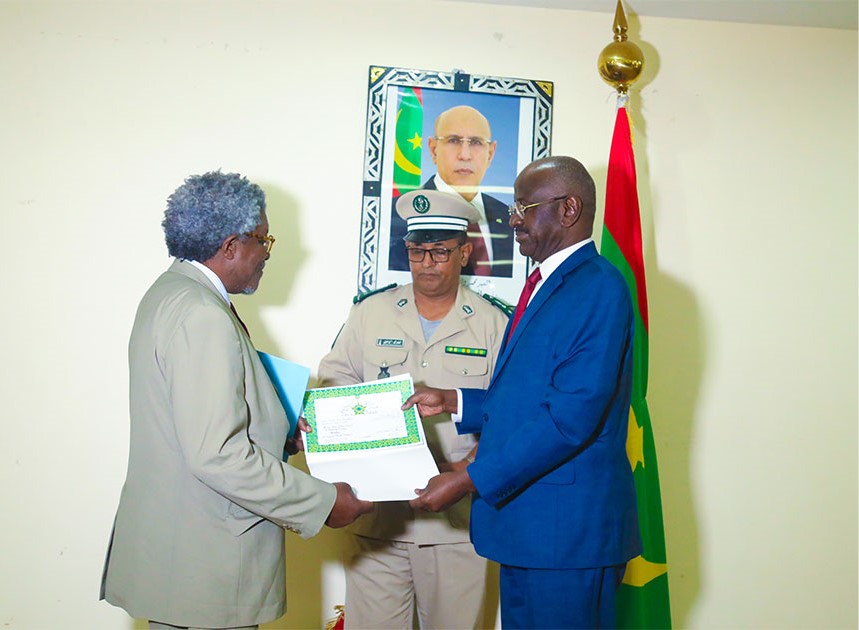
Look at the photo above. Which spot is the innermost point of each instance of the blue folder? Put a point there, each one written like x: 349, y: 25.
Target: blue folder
x: 290, y: 383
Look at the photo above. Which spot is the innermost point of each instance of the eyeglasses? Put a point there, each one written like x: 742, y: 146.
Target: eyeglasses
x: 474, y: 142
x: 519, y: 209
x: 266, y: 241
x: 438, y: 254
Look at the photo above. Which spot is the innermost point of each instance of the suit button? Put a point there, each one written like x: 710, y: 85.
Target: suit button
x: 485, y: 418
x: 424, y: 363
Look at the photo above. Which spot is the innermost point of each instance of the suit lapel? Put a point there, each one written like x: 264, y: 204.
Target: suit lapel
x: 549, y: 285
x: 496, y: 218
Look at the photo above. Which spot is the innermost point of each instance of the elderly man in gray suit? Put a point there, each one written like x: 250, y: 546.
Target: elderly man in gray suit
x: 198, y: 540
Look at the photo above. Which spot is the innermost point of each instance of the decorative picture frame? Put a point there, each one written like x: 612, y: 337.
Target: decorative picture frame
x: 404, y: 103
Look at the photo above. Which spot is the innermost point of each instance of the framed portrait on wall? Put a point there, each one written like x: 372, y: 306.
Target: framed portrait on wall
x: 461, y: 133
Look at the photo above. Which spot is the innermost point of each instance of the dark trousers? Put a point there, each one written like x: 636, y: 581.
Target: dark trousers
x: 541, y: 599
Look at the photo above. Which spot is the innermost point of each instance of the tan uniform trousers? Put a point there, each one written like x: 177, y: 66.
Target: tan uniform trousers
x: 387, y: 580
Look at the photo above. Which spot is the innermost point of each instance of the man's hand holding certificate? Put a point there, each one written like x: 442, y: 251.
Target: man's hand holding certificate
x: 362, y: 436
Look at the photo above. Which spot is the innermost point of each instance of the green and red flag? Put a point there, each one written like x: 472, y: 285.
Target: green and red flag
x: 407, y: 144
x: 643, y: 600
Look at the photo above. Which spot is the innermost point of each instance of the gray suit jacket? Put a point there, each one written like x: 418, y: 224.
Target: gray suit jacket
x: 198, y: 537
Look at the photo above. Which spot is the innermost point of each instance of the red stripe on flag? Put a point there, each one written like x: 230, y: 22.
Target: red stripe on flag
x: 621, y: 206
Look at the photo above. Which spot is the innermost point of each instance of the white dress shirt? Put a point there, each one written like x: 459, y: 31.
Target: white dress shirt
x: 211, y: 275
x: 477, y: 202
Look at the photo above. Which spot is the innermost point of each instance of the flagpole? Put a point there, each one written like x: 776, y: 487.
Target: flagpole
x: 642, y: 600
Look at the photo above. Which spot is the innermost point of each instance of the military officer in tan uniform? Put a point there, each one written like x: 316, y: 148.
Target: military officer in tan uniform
x: 444, y: 335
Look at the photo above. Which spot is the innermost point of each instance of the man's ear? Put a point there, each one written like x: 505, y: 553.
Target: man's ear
x: 572, y: 211
x: 491, y: 152
x: 465, y: 248
x: 229, y: 247
x: 432, y: 143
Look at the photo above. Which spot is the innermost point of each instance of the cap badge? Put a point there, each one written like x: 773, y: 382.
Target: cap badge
x: 421, y: 204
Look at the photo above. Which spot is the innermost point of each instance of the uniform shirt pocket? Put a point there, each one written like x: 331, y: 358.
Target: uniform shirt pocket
x: 379, y: 360
x: 464, y: 365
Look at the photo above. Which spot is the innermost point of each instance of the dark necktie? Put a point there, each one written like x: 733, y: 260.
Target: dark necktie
x: 233, y: 309
x: 479, y: 254
x: 527, y: 291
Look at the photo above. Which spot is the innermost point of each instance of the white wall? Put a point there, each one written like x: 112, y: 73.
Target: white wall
x: 746, y: 139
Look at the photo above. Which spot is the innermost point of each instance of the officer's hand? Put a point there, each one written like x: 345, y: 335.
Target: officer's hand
x: 347, y: 507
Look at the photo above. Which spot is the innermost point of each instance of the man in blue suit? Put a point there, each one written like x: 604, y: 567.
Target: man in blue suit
x: 554, y: 500
x: 462, y: 150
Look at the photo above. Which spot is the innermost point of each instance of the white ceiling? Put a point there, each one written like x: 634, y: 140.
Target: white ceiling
x: 821, y: 13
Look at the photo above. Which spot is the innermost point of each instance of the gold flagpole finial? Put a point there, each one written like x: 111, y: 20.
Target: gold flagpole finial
x: 621, y: 62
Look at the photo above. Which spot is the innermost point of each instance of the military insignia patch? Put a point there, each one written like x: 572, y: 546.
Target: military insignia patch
x: 501, y: 305
x: 363, y: 296
x: 473, y: 352
x: 421, y: 204
x: 467, y: 309
x: 402, y: 302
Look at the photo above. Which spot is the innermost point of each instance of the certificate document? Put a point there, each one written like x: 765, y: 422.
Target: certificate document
x: 361, y: 436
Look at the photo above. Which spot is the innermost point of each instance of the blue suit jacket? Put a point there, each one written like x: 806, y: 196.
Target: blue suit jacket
x: 499, y: 229
x: 554, y: 485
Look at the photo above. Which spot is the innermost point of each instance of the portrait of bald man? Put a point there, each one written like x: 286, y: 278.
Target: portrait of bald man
x: 462, y: 149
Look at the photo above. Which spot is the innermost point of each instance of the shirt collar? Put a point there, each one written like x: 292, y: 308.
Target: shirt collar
x: 213, y: 278
x: 477, y: 201
x: 548, y: 266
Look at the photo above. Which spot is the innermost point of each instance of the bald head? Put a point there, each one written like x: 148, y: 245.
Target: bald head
x: 462, y: 115
x: 462, y: 148
x: 558, y: 196
x: 569, y: 174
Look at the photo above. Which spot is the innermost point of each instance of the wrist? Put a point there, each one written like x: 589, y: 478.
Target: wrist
x: 451, y: 401
x: 467, y: 483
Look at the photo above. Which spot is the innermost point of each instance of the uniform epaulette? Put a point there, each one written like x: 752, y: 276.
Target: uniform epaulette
x: 501, y: 305
x: 363, y: 296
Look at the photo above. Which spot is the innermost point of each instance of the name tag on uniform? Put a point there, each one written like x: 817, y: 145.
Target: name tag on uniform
x: 391, y: 343
x: 474, y: 352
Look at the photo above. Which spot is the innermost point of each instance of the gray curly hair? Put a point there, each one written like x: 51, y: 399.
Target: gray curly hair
x: 208, y: 208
